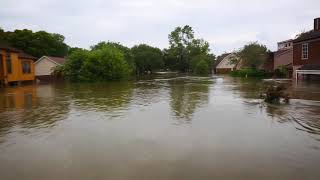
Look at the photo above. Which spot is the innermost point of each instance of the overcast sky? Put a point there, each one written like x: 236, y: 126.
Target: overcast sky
x: 225, y: 24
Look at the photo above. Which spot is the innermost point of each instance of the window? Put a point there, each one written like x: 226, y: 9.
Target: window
x: 8, y: 62
x: 26, y: 67
x: 305, y: 51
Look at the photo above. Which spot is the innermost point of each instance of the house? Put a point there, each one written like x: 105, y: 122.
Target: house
x: 217, y: 61
x: 225, y: 66
x: 306, y: 52
x: 45, y: 66
x: 283, y: 57
x: 15, y: 65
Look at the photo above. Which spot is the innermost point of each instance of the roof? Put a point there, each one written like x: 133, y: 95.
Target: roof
x: 6, y: 46
x: 220, y: 58
x: 56, y: 60
x: 307, y: 36
x: 289, y: 40
x: 310, y: 67
x: 225, y: 62
x: 283, y: 51
x: 24, y: 55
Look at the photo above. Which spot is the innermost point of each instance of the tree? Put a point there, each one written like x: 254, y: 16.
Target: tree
x: 99, y: 64
x: 186, y: 51
x: 73, y: 66
x: 179, y: 40
x: 36, y: 43
x: 253, y: 55
x: 105, y: 64
x: 147, y: 58
x: 125, y: 50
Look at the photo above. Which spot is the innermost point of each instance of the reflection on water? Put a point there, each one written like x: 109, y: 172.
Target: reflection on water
x: 186, y: 95
x: 164, y: 127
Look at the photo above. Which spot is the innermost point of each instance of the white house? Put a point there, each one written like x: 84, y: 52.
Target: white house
x: 44, y: 67
x: 225, y: 65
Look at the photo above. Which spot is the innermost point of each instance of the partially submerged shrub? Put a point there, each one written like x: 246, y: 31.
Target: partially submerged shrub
x: 275, y: 93
x: 249, y: 72
x: 201, y: 68
x: 281, y: 72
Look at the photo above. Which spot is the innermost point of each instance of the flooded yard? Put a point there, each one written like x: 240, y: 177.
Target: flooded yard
x: 164, y: 128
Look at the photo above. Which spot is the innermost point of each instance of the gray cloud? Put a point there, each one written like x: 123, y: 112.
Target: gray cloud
x: 226, y: 24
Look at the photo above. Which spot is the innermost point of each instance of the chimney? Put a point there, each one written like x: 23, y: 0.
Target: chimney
x: 317, y: 24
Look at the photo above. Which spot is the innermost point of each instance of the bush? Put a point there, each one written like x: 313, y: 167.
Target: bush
x: 249, y: 73
x: 103, y: 64
x: 281, y: 72
x: 274, y: 93
x: 201, y: 68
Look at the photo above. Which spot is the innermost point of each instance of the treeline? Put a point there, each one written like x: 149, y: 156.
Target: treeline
x: 36, y: 44
x: 113, y: 61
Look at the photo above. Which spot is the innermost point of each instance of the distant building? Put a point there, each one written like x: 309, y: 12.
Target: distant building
x: 283, y: 45
x: 44, y: 67
x: 225, y: 66
x: 306, y: 51
x: 283, y: 57
x: 15, y: 65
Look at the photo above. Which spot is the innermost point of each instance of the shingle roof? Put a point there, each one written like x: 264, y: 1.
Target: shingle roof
x: 6, y: 46
x: 58, y: 60
x: 220, y: 58
x: 308, y: 36
x: 24, y: 55
x: 280, y: 52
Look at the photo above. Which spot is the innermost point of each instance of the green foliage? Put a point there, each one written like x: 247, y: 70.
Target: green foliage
x: 252, y: 55
x: 201, y: 68
x: 200, y: 64
x: 185, y: 49
x: 249, y: 72
x: 281, y: 72
x: 73, y: 66
x: 99, y: 64
x: 36, y: 44
x: 147, y: 58
x: 125, y: 50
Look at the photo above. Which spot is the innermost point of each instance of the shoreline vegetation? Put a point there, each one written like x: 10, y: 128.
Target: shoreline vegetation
x: 111, y: 61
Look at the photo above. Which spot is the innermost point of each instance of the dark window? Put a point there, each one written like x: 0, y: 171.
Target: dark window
x: 305, y: 51
x: 8, y: 62
x: 26, y: 67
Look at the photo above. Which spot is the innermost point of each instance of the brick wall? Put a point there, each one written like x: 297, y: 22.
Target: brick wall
x: 314, y: 53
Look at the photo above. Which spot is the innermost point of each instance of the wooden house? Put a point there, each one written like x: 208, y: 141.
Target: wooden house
x: 15, y: 66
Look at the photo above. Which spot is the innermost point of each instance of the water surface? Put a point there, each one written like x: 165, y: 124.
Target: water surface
x: 159, y: 128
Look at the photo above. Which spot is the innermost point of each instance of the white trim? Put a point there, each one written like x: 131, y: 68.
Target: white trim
x: 43, y: 57
x: 308, y: 71
x: 314, y: 72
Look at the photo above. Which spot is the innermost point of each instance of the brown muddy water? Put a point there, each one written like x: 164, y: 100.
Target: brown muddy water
x: 168, y: 128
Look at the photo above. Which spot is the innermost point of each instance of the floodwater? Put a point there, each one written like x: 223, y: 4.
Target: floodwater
x: 164, y: 128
